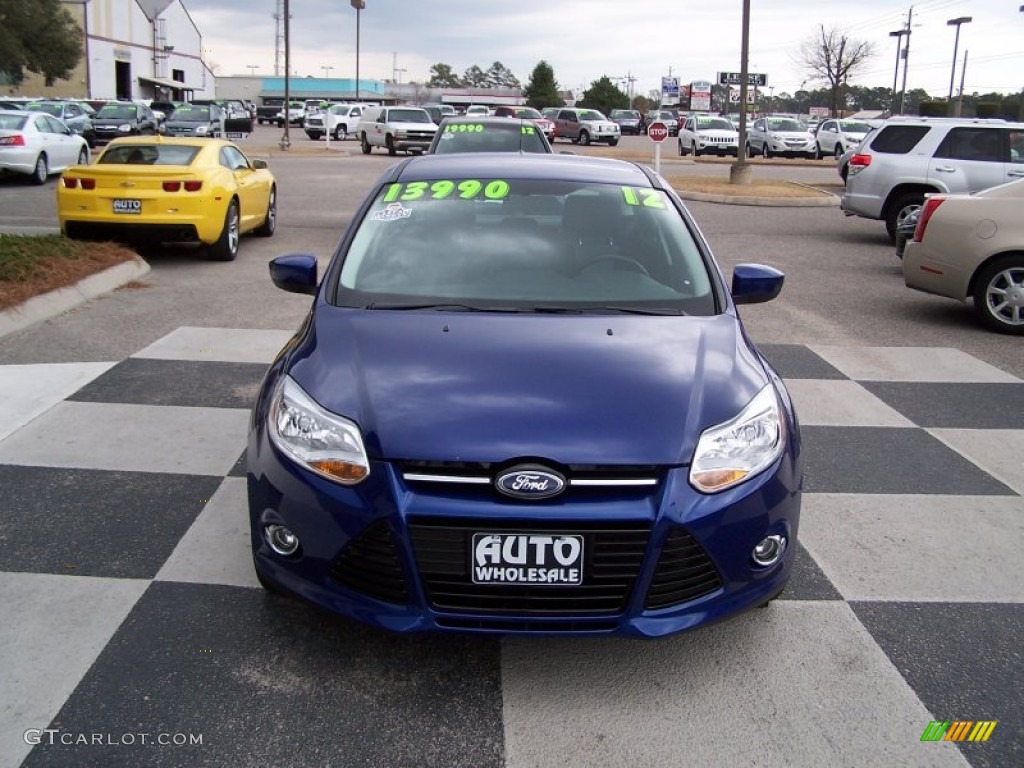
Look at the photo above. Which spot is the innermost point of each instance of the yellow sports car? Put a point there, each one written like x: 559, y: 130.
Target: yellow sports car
x: 155, y: 189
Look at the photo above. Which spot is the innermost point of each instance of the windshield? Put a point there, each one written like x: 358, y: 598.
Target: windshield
x: 9, y: 122
x: 119, y: 112
x: 785, y: 124
x: 529, y: 113
x: 591, y: 114
x: 510, y: 136
x: 666, y: 116
x: 50, y: 109
x: 192, y: 114
x: 525, y: 244
x: 851, y: 126
x: 625, y: 113
x: 714, y: 124
x: 409, y: 116
x: 148, y: 154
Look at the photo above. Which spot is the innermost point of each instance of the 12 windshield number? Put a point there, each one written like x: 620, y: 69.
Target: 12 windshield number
x: 496, y: 190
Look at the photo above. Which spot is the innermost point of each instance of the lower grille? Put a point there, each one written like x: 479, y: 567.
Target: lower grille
x: 612, y: 557
x: 370, y: 564
x: 512, y: 625
x: 684, y: 572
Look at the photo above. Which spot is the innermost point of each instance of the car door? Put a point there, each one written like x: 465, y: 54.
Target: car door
x: 380, y: 126
x: 568, y: 124
x: 252, y: 192
x: 62, y: 146
x: 757, y: 135
x: 352, y: 119
x: 971, y: 158
x: 827, y: 137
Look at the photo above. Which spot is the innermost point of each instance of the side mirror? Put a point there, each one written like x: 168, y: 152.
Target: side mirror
x: 259, y: 165
x: 295, y: 273
x: 755, y: 283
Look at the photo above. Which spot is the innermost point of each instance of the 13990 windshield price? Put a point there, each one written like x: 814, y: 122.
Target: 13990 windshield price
x: 468, y: 189
x: 530, y: 558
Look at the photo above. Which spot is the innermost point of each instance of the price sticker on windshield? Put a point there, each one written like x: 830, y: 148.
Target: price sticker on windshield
x: 646, y: 198
x: 442, y: 189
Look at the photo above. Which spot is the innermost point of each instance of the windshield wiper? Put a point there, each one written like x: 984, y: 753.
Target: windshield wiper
x: 602, y: 310
x: 438, y: 307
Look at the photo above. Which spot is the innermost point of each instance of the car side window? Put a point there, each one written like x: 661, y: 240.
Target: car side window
x: 899, y: 139
x: 382, y: 117
x: 1016, y: 141
x: 233, y: 159
x: 356, y: 112
x: 973, y: 143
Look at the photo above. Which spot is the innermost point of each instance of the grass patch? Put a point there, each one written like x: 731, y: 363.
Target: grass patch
x: 756, y: 188
x: 31, y: 265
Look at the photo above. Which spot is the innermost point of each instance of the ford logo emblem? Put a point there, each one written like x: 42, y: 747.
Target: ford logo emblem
x: 530, y: 481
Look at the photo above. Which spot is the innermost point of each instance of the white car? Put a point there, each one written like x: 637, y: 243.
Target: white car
x: 398, y: 129
x: 37, y: 144
x: 834, y: 137
x: 972, y: 247
x: 706, y: 134
x: 339, y: 120
x: 770, y: 136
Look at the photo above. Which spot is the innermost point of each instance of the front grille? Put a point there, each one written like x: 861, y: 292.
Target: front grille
x: 370, y: 564
x: 513, y: 625
x: 684, y: 572
x: 419, y: 135
x: 613, y: 553
x: 478, y: 477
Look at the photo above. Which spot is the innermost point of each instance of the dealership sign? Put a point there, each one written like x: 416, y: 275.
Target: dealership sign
x: 734, y: 78
x: 669, y: 90
x: 700, y: 96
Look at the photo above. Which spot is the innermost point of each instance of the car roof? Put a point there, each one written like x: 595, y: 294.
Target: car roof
x: 511, y: 165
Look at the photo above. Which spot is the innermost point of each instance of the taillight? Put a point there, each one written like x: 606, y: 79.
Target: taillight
x: 193, y: 186
x: 172, y: 186
x: 189, y: 186
x: 930, y: 206
x: 70, y: 182
x: 17, y: 140
x: 861, y: 161
x: 88, y: 183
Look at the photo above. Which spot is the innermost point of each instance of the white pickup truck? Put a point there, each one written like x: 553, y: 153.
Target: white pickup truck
x: 338, y: 120
x: 405, y: 129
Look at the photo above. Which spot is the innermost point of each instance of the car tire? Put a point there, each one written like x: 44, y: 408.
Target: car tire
x: 584, y: 138
x: 340, y: 133
x: 269, y: 225
x: 41, y: 172
x: 900, y: 208
x: 839, y: 151
x: 694, y: 150
x: 226, y: 247
x: 83, y: 156
x: 365, y: 145
x: 390, y: 144
x: 613, y: 142
x: 765, y: 152
x: 818, y: 154
x: 749, y: 151
x: 682, y: 149
x: 1001, y: 283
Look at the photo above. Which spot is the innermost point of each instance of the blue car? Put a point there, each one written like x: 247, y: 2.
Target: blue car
x: 523, y: 402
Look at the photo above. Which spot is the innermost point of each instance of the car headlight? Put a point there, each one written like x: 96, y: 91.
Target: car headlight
x: 124, y: 127
x: 774, y: 137
x: 202, y: 129
x: 729, y: 453
x: 315, y: 438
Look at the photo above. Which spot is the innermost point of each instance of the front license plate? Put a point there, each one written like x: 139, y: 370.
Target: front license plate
x: 127, y: 206
x: 527, y: 558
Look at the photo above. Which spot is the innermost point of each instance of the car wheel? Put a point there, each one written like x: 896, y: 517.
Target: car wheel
x: 682, y: 150
x: 765, y: 152
x: 613, y: 142
x: 269, y: 225
x: 902, y: 207
x: 749, y: 151
x: 41, y: 172
x: 584, y: 138
x: 999, y: 295
x: 340, y: 134
x: 390, y: 144
x: 693, y: 148
x: 226, y: 247
x: 844, y: 172
x: 83, y: 157
x: 839, y: 151
x: 366, y: 145
x: 818, y: 154
x: 314, y: 136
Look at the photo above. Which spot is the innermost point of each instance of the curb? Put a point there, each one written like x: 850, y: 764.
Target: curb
x: 59, y: 301
x: 830, y: 201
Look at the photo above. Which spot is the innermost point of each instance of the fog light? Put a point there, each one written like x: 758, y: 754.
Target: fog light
x: 769, y: 550
x: 281, y: 540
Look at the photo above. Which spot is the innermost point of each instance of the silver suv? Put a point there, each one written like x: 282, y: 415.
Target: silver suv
x: 908, y: 158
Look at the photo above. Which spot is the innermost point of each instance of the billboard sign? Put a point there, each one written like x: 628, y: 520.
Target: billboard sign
x: 700, y: 96
x: 669, y: 90
x: 733, y: 78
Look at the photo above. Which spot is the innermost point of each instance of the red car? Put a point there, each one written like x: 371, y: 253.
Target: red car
x: 529, y: 113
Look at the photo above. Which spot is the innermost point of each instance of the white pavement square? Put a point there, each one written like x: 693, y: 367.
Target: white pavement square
x: 226, y: 345
x: 1000, y: 452
x: 838, y: 403
x: 917, y: 364
x: 26, y: 391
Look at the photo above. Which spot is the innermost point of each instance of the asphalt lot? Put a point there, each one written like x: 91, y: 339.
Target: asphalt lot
x: 125, y: 552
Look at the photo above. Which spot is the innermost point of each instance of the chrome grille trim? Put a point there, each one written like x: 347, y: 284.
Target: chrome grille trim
x: 477, y: 480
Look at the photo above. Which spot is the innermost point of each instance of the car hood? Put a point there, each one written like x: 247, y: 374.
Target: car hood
x: 445, y: 386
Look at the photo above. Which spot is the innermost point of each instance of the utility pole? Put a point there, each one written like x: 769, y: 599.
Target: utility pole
x: 278, y: 37
x: 906, y: 61
x: 963, y: 73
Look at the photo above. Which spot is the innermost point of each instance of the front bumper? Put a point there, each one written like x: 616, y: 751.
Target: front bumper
x: 394, y: 552
x: 411, y: 142
x: 787, y: 149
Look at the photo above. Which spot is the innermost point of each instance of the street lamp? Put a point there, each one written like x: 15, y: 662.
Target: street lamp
x: 252, y: 69
x: 358, y: 5
x: 327, y: 70
x: 898, y: 34
x: 956, y: 42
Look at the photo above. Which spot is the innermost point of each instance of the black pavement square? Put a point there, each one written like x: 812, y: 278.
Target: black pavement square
x: 240, y: 468
x: 889, y: 460
x: 808, y: 581
x: 965, y: 661
x: 86, y: 522
x: 176, y: 382
x: 795, y: 361
x: 269, y: 681
x: 955, y: 406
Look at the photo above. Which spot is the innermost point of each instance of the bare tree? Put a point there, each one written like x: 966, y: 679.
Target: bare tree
x: 830, y: 57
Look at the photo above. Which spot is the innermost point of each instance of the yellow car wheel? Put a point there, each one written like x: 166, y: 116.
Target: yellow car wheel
x: 226, y: 247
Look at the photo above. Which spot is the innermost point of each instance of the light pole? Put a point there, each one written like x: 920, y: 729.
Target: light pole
x: 898, y: 34
x: 358, y: 5
x: 286, y: 141
x: 327, y: 70
x: 956, y: 43
x: 252, y: 69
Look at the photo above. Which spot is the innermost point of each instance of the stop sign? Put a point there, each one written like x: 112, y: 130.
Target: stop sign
x: 657, y: 132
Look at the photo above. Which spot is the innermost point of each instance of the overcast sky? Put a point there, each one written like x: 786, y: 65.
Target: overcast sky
x: 585, y: 39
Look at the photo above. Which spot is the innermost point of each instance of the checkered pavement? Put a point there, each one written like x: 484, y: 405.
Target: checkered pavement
x: 132, y: 615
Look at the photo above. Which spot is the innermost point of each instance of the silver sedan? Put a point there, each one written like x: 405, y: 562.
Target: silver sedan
x: 37, y: 144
